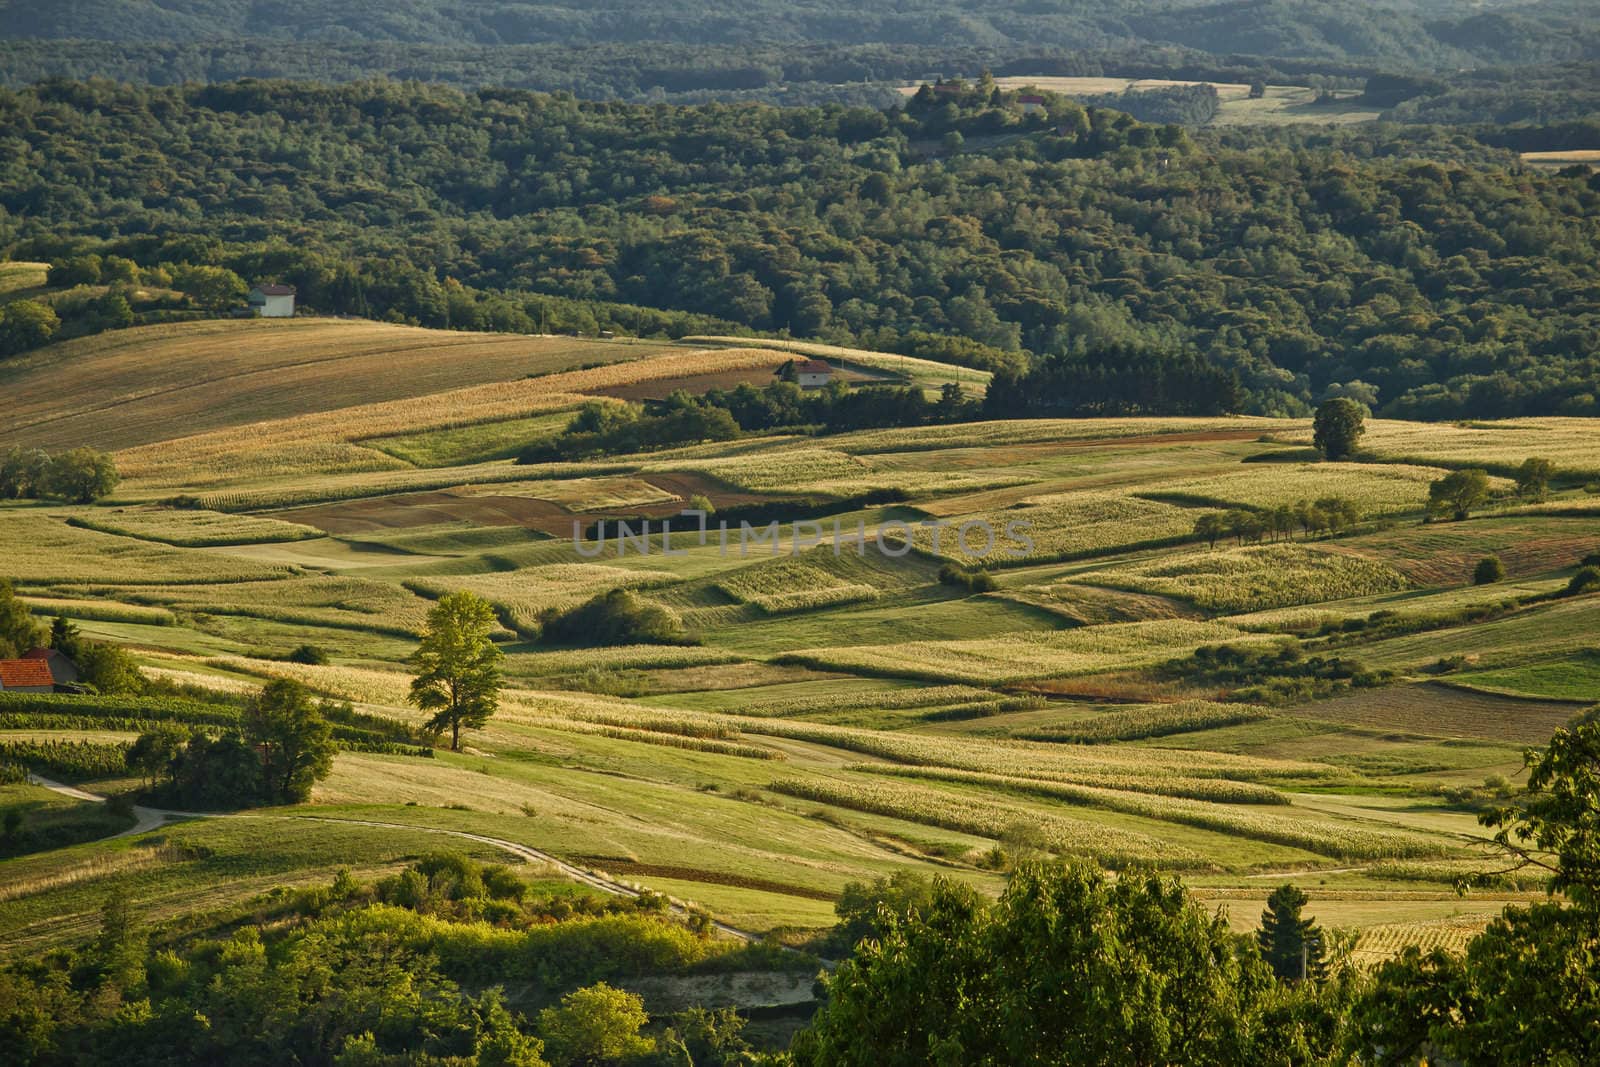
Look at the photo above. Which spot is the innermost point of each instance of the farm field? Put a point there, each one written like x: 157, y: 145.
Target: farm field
x: 832, y: 712
x: 1281, y: 105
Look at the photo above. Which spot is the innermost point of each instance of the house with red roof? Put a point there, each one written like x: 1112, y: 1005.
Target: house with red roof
x: 62, y: 669
x: 273, y: 301
x: 1031, y: 103
x: 26, y: 676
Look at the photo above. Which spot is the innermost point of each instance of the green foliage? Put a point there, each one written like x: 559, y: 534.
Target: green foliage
x: 973, y: 581
x: 1277, y: 674
x: 1292, y: 945
x: 1338, y: 427
x: 82, y: 476
x: 1533, y: 478
x: 616, y: 617
x: 72, y: 761
x: 215, y: 288
x: 1458, y: 492
x: 1345, y: 254
x: 1067, y: 968
x: 293, y: 738
x: 597, y: 1025
x: 26, y: 325
x: 869, y: 910
x: 308, y: 654
x: 18, y: 631
x: 1586, y: 580
x: 457, y: 665
x: 1488, y: 571
x: 109, y: 669
x: 23, y: 473
x: 1526, y: 990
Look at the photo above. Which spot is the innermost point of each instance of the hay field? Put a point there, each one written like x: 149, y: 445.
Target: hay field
x: 131, y: 387
x: 1572, y: 444
x: 1256, y: 578
x: 1377, y: 490
x: 1021, y: 657
x: 189, y: 528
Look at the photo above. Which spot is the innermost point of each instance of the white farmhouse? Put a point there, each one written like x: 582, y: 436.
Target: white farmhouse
x: 273, y: 301
x: 812, y: 373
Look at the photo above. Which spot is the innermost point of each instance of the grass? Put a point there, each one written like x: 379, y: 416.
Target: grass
x: 42, y: 549
x: 16, y: 276
x: 190, y: 528
x: 784, y: 585
x: 1572, y: 444
x: 522, y: 594
x: 1022, y: 657
x: 1575, y: 677
x: 1376, y: 490
x: 221, y: 374
x: 1256, y: 578
x: 974, y: 814
x: 1060, y: 526
x: 477, y: 443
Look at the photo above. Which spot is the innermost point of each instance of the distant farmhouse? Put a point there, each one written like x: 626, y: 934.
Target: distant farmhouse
x: 26, y: 676
x: 273, y: 301
x: 1031, y: 105
x: 812, y: 373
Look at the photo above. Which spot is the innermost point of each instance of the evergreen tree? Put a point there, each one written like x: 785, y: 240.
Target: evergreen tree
x: 1292, y: 945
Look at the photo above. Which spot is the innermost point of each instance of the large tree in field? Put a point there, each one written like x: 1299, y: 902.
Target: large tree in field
x: 1526, y: 990
x: 294, y: 740
x: 1291, y: 945
x: 1338, y: 425
x: 1458, y: 493
x: 458, y: 666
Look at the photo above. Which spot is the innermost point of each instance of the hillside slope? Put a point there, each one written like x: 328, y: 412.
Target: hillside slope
x: 166, y: 381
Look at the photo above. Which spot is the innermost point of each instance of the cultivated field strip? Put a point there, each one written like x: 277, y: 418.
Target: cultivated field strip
x: 1255, y: 578
x: 972, y: 813
x: 1030, y: 656
x: 1327, y: 837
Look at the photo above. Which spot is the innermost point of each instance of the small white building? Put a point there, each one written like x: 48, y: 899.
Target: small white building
x: 273, y: 301
x: 1031, y: 104
x: 812, y: 374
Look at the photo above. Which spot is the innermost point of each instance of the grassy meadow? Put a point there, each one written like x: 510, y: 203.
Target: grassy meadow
x: 836, y: 711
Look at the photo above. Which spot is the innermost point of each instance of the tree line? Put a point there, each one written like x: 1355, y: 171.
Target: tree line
x: 1303, y: 264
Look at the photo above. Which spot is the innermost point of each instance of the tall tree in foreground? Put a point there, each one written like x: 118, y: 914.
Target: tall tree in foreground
x: 458, y: 666
x: 1527, y: 990
x: 1067, y: 968
x: 1338, y: 426
x: 1292, y: 946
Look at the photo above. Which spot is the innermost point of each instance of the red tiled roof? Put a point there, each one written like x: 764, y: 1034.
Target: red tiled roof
x: 38, y: 653
x: 24, y: 673
x: 813, y: 366
x: 1030, y: 99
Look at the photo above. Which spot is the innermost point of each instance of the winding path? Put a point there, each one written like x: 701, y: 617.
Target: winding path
x: 148, y: 819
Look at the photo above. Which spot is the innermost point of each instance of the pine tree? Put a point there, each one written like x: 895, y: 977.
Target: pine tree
x: 1293, y: 946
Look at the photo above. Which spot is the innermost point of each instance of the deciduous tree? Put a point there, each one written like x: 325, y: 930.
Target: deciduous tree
x: 458, y: 666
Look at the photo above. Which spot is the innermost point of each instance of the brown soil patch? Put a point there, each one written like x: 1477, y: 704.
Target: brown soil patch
x: 410, y: 510
x: 1447, y: 554
x: 698, y: 384
x: 691, y: 874
x: 1440, y: 711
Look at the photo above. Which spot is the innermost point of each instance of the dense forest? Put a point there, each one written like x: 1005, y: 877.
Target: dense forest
x: 1416, y: 33
x: 1422, y: 272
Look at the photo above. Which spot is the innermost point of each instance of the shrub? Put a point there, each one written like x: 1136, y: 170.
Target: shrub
x: 1587, y: 579
x: 309, y: 654
x: 1488, y: 571
x: 618, y: 617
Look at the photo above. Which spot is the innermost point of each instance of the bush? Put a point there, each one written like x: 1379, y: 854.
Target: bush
x: 617, y: 617
x: 1488, y: 571
x: 309, y: 654
x: 1586, y: 580
x: 975, y: 581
